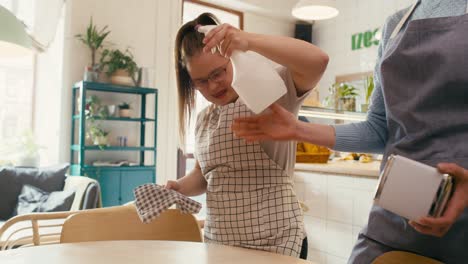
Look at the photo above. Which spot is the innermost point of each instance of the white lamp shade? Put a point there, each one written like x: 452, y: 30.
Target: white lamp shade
x: 14, y: 41
x: 315, y: 9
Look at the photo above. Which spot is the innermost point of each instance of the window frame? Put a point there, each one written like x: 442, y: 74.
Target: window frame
x: 229, y: 10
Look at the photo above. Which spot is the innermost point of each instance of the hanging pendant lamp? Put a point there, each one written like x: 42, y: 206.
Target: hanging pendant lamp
x: 14, y: 40
x: 315, y: 9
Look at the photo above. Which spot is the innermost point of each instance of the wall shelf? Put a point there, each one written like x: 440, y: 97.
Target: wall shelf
x: 111, y: 148
x: 127, y: 119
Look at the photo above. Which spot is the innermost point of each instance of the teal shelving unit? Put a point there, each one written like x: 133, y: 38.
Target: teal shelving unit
x: 117, y: 183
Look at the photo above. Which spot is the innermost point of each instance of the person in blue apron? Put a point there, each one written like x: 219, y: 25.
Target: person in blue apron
x: 250, y: 198
x: 419, y: 110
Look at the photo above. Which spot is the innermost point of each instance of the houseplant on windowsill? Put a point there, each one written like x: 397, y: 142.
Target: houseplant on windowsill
x: 120, y: 67
x: 94, y: 40
x: 124, y: 110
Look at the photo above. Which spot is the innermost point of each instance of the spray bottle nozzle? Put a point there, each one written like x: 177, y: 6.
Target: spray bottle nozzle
x: 204, y: 29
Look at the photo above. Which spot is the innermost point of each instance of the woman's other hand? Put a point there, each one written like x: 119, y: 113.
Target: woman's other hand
x: 455, y: 207
x: 275, y: 124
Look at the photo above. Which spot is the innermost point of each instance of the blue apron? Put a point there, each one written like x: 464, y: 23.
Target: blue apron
x: 425, y: 88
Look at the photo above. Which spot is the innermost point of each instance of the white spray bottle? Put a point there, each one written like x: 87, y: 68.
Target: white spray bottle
x: 255, y: 80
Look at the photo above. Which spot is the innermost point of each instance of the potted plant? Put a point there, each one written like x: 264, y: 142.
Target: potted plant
x: 347, y: 97
x: 120, y: 67
x: 369, y: 87
x: 98, y: 135
x: 94, y: 39
x: 93, y: 103
x: 124, y: 110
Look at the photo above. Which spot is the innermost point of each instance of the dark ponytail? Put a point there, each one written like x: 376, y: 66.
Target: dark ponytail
x: 188, y: 43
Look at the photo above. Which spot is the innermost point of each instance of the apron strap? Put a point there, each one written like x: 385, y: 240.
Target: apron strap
x: 404, y: 19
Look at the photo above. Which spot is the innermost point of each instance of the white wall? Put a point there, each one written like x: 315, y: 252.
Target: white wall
x: 267, y: 25
x: 334, y: 36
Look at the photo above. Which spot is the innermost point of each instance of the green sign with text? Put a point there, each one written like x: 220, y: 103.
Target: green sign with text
x: 365, y: 39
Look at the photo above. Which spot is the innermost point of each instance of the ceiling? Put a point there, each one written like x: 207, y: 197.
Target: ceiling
x: 280, y: 9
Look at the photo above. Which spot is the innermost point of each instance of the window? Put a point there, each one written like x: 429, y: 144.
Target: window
x: 193, y: 8
x: 24, y: 103
x: 16, y: 98
x: 16, y: 104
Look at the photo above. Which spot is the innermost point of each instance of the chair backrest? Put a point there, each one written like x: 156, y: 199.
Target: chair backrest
x: 32, y: 229
x: 123, y: 223
x: 397, y: 257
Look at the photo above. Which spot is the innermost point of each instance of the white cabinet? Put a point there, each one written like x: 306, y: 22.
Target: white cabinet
x: 338, y: 207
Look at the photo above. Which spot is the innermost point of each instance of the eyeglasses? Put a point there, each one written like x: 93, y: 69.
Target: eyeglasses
x: 216, y: 76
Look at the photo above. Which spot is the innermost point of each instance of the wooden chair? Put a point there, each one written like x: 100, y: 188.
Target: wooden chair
x: 123, y: 223
x: 36, y: 229
x: 397, y: 257
x: 32, y: 229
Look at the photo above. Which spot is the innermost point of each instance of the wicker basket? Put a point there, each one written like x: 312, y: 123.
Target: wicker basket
x: 310, y: 153
x: 312, y: 158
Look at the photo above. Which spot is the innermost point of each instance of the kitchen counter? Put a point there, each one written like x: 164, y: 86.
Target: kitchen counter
x: 346, y: 167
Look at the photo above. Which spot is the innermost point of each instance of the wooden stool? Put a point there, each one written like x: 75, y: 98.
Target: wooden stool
x: 398, y: 257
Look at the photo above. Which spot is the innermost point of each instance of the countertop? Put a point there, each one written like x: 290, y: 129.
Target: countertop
x: 345, y: 167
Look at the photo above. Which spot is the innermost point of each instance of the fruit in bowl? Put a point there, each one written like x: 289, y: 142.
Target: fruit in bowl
x: 361, y: 157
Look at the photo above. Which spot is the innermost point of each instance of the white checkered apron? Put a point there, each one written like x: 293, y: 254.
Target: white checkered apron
x: 250, y: 198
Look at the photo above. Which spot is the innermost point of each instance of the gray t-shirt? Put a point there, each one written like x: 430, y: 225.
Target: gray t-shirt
x: 284, y: 152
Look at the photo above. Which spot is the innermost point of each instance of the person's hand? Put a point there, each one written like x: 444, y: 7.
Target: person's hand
x: 172, y: 185
x: 455, y: 207
x: 227, y: 38
x: 275, y: 124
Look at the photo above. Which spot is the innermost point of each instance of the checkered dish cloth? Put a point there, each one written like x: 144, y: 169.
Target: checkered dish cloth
x: 152, y: 199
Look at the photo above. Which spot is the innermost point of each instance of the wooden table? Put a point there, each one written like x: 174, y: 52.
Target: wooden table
x: 119, y: 252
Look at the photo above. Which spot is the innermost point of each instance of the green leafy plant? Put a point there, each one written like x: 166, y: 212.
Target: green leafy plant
x: 94, y: 109
x: 97, y: 131
x: 92, y: 105
x: 124, y: 105
x: 369, y: 88
x: 337, y: 91
x: 113, y: 60
x: 345, y: 90
x: 94, y: 39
